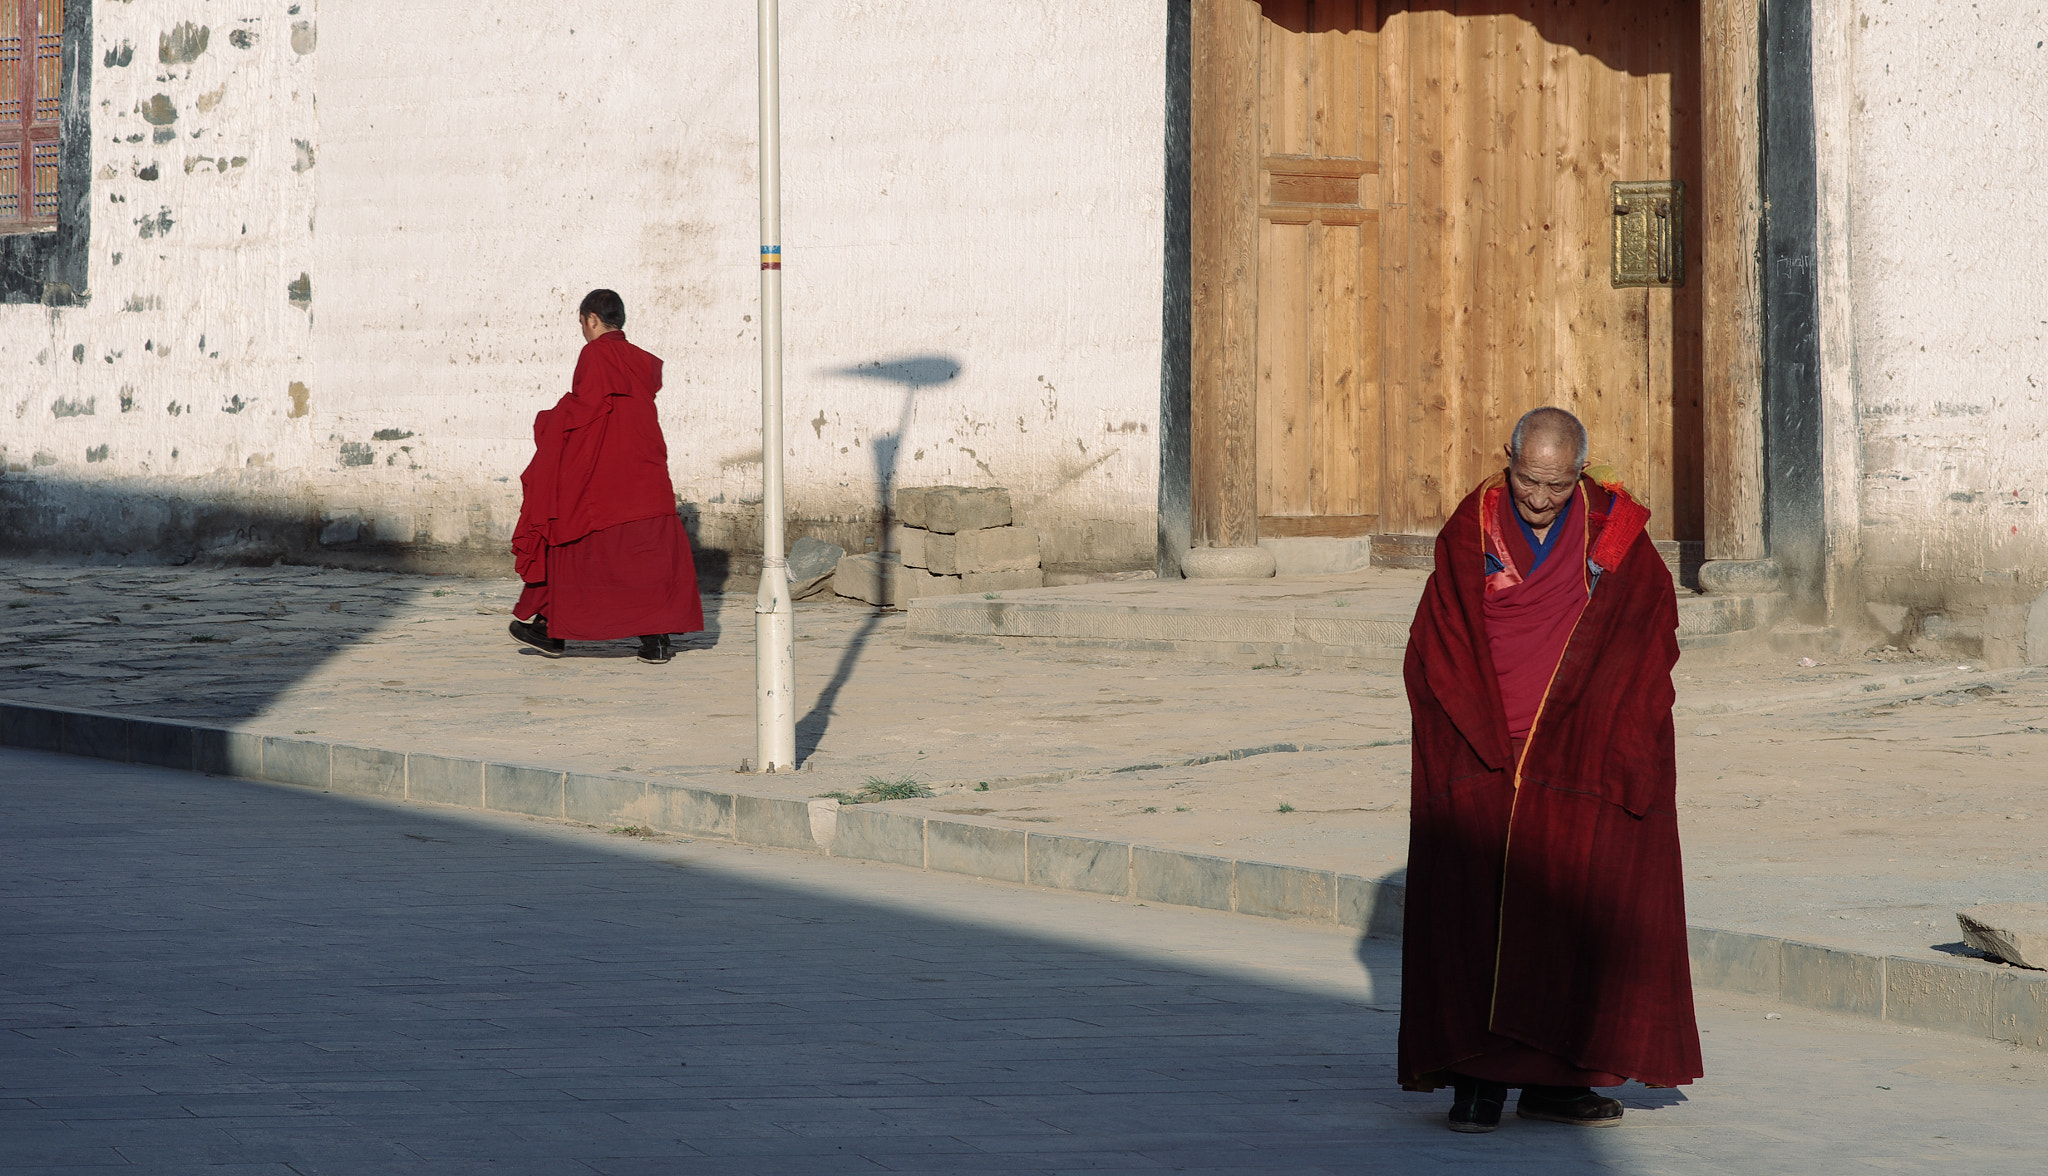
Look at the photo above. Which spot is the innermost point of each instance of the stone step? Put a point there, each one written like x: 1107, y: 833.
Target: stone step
x: 1333, y: 621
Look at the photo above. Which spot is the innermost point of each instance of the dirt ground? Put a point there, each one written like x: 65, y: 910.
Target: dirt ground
x: 1858, y: 802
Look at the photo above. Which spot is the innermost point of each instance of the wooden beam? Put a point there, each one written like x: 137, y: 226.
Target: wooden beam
x: 1732, y: 341
x: 1223, y: 264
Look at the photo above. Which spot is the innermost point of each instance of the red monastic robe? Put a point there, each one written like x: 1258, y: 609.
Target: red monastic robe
x: 599, y: 543
x: 1545, y: 919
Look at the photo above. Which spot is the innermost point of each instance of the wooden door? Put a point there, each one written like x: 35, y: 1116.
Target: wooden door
x: 1318, y: 393
x: 1359, y: 360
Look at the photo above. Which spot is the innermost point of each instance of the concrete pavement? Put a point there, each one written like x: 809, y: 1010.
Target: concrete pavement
x: 203, y: 974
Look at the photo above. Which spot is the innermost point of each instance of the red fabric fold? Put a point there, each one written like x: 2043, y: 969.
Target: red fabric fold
x: 1527, y: 624
x: 599, y: 458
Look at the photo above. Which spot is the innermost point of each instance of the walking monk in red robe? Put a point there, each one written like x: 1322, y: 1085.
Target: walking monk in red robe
x: 599, y: 544
x: 1545, y: 941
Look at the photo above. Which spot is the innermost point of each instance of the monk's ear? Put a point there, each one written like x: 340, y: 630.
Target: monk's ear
x: 1508, y: 451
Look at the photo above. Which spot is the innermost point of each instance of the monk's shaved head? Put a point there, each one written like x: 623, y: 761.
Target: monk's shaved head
x: 609, y: 308
x: 1549, y: 428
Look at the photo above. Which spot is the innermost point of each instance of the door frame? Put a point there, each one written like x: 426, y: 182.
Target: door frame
x: 1213, y: 486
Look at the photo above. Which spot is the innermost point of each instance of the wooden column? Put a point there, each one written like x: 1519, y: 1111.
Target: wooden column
x: 1732, y: 345
x: 1223, y: 267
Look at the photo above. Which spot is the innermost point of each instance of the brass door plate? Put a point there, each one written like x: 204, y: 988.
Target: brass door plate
x: 1649, y: 233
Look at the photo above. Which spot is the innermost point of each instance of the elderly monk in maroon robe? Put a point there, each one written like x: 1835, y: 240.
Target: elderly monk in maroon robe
x: 599, y: 544
x: 1545, y: 942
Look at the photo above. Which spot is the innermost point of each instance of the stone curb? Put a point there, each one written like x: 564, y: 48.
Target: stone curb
x: 2005, y: 1004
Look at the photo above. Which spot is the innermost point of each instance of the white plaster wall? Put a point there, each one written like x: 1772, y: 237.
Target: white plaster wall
x: 969, y: 189
x: 174, y: 376
x: 1948, y: 109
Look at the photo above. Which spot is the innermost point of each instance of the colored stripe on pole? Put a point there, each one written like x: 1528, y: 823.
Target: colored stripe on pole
x: 771, y: 257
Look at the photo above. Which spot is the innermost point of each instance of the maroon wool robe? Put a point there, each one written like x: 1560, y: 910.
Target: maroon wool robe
x: 599, y: 543
x: 1563, y: 943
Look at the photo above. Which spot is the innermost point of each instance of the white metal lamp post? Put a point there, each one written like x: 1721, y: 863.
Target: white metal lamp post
x: 774, y: 612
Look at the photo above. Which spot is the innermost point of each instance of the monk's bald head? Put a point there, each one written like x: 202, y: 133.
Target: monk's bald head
x: 1550, y: 430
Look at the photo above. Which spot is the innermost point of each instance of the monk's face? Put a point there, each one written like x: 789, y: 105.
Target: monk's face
x: 1542, y: 480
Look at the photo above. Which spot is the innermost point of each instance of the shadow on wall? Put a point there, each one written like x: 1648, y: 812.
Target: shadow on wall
x: 911, y: 374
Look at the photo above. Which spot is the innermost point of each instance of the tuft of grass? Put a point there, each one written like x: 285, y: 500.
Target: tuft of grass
x: 1284, y: 808
x: 1150, y: 808
x: 1181, y: 808
x: 981, y: 787
x: 1340, y: 602
x: 304, y: 731
x: 440, y: 592
x: 990, y: 596
x: 875, y: 788
x: 632, y: 830
x: 204, y: 639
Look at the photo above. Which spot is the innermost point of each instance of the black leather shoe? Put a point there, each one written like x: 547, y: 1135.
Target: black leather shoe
x: 1577, y: 1105
x: 655, y: 649
x: 1476, y: 1105
x: 535, y: 633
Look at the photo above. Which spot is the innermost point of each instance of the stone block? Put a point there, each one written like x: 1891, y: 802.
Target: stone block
x: 1228, y: 563
x: 984, y: 851
x: 1306, y: 556
x: 366, y: 771
x: 910, y: 505
x: 871, y: 577
x: 606, y: 801
x: 1286, y: 892
x: 1185, y: 879
x: 537, y: 792
x: 974, y: 582
x: 1743, y: 577
x: 694, y: 811
x: 96, y: 736
x: 998, y: 549
x: 1078, y: 863
x: 909, y: 545
x: 304, y: 762
x: 163, y: 745
x: 811, y: 563
x: 2019, y: 1009
x: 879, y: 835
x: 2016, y: 932
x: 1935, y: 994
x: 1374, y: 907
x: 932, y: 585
x: 769, y: 820
x: 227, y: 753
x: 1837, y: 981
x: 438, y: 779
x: 951, y: 509
x: 31, y: 727
x: 1736, y: 961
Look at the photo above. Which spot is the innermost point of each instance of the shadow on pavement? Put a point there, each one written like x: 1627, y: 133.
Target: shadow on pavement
x: 210, y: 971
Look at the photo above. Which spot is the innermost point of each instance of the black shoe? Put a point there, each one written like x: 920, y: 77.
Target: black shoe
x: 1577, y: 1105
x: 1476, y: 1107
x: 655, y: 649
x: 535, y: 633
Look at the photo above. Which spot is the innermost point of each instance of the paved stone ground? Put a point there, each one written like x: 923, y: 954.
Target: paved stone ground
x: 207, y: 975
x: 1857, y: 804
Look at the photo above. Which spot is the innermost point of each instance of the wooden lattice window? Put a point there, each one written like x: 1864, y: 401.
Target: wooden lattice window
x: 31, y: 71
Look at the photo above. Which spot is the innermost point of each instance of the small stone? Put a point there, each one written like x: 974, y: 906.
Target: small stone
x: 2016, y: 932
x: 811, y: 563
x: 1706, y: 732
